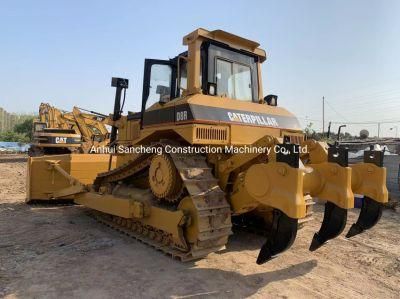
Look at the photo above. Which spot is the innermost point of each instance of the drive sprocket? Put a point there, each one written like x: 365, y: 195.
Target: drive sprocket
x: 165, y: 181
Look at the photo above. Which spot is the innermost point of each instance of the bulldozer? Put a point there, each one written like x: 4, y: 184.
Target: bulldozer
x: 60, y: 132
x: 208, y: 153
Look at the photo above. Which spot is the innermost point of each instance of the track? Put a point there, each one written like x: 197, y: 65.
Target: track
x: 209, y: 211
x: 157, y: 239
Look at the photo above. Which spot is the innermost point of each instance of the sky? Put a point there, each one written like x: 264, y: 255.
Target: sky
x: 65, y: 53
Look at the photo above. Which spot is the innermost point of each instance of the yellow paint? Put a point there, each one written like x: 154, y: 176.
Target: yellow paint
x: 274, y: 184
x: 331, y: 182
x: 43, y: 180
x: 370, y: 180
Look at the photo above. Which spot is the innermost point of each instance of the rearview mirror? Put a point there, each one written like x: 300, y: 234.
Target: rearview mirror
x: 271, y: 100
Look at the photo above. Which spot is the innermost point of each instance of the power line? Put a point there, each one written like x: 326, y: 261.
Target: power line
x: 367, y: 122
x: 346, y: 120
x: 385, y: 121
x: 377, y: 94
x: 309, y: 119
x: 336, y: 111
x: 376, y: 104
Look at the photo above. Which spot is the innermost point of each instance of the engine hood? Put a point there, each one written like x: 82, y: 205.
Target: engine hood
x: 210, y: 109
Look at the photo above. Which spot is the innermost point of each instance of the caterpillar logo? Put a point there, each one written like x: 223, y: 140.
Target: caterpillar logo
x: 61, y: 139
x: 253, y: 119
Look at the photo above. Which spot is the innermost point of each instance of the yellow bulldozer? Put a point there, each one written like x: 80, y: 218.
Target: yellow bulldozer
x: 208, y: 152
x: 61, y: 132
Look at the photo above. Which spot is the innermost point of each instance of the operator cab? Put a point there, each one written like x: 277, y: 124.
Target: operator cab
x: 217, y: 63
x: 39, y: 126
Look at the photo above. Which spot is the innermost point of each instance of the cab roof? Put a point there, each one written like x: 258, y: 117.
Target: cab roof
x: 232, y: 40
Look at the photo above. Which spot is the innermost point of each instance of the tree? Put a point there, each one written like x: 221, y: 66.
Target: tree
x: 25, y: 128
x: 310, y: 132
x: 10, y: 136
x: 347, y: 136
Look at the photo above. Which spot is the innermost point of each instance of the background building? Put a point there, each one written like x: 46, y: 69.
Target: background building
x: 9, y: 120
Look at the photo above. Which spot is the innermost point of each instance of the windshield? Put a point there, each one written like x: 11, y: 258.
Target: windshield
x: 234, y: 73
x: 39, y: 127
x: 233, y: 80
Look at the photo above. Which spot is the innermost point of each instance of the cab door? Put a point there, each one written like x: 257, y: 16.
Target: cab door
x: 159, y: 87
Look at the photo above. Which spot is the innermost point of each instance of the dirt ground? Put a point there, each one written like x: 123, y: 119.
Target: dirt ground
x: 60, y: 252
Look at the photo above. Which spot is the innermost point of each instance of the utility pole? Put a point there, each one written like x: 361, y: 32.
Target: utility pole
x: 323, y: 115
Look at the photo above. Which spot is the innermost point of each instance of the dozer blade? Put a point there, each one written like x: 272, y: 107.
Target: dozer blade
x: 370, y: 179
x: 280, y: 237
x: 371, y: 212
x: 332, y: 226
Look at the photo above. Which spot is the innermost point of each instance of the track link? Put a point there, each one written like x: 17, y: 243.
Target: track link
x: 213, y: 211
x: 157, y: 239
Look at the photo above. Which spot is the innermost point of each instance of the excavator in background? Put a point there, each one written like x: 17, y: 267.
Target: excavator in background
x: 60, y: 132
x: 208, y: 152
x: 52, y: 133
x: 92, y: 126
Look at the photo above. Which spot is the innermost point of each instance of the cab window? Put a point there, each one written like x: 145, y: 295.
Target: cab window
x: 160, y: 84
x: 233, y: 80
x: 234, y: 72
